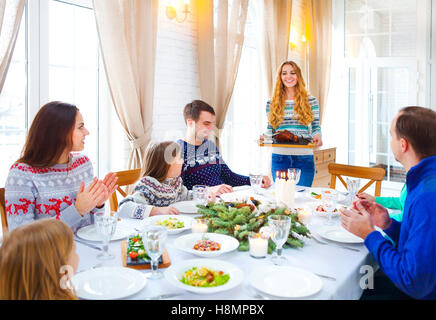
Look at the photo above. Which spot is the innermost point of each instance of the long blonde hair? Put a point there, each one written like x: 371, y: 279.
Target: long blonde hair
x: 302, y: 109
x: 31, y: 259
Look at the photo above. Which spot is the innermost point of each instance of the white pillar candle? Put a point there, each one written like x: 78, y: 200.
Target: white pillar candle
x: 199, y: 226
x: 258, y: 246
x: 289, y: 193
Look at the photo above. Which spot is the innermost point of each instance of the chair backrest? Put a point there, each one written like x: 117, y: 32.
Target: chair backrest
x: 3, y: 211
x: 373, y: 174
x: 125, y: 178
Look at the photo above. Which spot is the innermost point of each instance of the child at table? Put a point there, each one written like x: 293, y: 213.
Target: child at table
x: 160, y: 185
x: 37, y: 261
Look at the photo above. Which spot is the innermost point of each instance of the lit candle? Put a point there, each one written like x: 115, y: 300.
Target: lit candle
x: 199, y: 226
x: 258, y: 246
x: 304, y: 216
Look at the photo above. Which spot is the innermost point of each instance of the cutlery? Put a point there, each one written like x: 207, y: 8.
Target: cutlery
x: 325, y: 276
x: 98, y: 265
x: 163, y: 296
x: 251, y: 292
x: 87, y: 244
x: 320, y: 241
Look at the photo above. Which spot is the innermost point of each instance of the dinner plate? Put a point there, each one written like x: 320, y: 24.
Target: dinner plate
x: 175, y: 272
x: 186, y: 206
x: 285, y: 281
x: 338, y: 234
x: 186, y: 243
x: 90, y: 233
x: 108, y: 283
x: 309, y: 195
x: 153, y: 220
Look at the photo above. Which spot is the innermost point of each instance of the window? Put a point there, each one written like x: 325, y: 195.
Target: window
x: 246, y: 115
x: 385, y: 46
x: 56, y: 58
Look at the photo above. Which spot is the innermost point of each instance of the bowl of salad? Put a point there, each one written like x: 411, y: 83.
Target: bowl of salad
x: 174, y: 223
x: 204, y: 276
x: 208, y: 245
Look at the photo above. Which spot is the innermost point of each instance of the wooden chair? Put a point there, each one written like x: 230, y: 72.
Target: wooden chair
x: 373, y: 174
x: 125, y: 178
x: 3, y: 211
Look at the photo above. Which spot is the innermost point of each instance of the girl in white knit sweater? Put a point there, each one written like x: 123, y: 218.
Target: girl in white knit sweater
x: 160, y: 185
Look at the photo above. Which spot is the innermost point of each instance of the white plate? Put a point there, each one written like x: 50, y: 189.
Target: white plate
x: 338, y: 234
x: 90, y: 233
x: 175, y: 272
x: 242, y: 196
x: 309, y: 195
x: 187, y: 242
x: 108, y: 283
x: 186, y: 206
x: 285, y: 281
x: 153, y: 220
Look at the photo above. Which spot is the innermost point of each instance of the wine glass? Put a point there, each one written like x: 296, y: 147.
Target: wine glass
x: 256, y: 182
x: 294, y: 174
x: 280, y: 226
x: 352, y: 188
x: 154, y: 243
x: 105, y: 227
x: 329, y: 199
x: 200, y: 194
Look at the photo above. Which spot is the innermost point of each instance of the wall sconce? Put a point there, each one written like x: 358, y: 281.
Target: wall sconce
x: 172, y: 13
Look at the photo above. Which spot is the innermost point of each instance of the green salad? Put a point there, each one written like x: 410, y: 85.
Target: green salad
x: 171, y: 223
x: 204, y: 277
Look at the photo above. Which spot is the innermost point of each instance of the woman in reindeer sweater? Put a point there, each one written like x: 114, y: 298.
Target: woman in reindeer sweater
x: 49, y: 181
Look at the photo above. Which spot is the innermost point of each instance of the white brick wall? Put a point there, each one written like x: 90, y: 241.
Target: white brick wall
x: 177, y: 80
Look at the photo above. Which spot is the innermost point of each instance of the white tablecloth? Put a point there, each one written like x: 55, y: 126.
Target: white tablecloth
x: 344, y: 265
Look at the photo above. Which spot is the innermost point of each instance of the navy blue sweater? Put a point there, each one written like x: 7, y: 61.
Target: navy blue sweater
x: 203, y: 165
x: 412, y: 264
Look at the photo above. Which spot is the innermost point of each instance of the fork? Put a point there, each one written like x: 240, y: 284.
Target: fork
x: 317, y: 239
x: 98, y: 265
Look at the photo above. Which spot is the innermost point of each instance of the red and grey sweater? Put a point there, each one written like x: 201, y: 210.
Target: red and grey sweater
x: 40, y: 193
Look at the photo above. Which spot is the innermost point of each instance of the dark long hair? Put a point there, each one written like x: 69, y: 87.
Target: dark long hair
x: 49, y: 135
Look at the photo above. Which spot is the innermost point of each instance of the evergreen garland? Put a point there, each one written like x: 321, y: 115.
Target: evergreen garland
x: 239, y: 219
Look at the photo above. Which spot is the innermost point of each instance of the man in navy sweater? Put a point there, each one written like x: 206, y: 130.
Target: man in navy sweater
x: 411, y: 264
x: 202, y: 163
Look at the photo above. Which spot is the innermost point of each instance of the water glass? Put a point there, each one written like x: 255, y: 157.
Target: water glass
x: 329, y: 199
x: 106, y: 225
x: 280, y: 226
x: 200, y: 194
x: 256, y: 182
x: 294, y: 174
x: 353, y: 186
x: 154, y: 238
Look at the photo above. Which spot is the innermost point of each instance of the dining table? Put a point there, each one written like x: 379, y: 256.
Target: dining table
x: 341, y: 270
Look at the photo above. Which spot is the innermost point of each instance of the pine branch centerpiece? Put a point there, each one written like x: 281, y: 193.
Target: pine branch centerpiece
x: 240, y: 219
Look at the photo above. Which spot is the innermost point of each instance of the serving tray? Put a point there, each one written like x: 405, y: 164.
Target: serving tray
x: 164, y: 260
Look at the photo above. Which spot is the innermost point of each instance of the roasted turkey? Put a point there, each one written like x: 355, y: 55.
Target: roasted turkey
x: 286, y: 136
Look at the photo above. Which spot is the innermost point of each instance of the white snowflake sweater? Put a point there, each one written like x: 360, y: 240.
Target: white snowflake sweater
x: 39, y: 193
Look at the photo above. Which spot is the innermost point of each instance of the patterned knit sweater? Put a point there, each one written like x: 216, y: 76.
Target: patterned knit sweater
x: 203, y: 165
x: 149, y: 193
x: 40, y: 193
x: 295, y: 127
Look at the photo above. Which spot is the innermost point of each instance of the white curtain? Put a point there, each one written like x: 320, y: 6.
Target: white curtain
x: 11, y: 12
x: 128, y: 30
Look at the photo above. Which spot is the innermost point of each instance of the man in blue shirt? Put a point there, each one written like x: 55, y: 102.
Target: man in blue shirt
x: 202, y: 163
x: 411, y: 264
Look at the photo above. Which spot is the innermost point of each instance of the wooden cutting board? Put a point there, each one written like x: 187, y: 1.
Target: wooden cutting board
x: 165, y: 259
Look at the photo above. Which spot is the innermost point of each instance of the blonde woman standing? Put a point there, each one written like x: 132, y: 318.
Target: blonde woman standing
x: 291, y: 108
x: 37, y: 261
